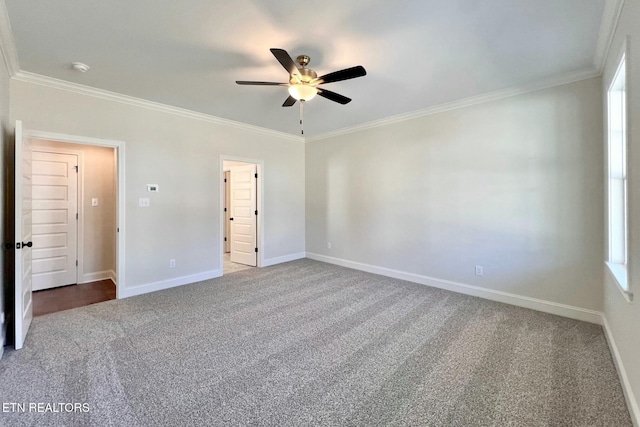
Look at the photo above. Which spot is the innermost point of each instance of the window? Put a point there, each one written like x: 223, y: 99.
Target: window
x: 617, y: 159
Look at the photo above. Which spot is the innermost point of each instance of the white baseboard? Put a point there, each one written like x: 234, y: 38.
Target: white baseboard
x: 284, y: 258
x: 632, y: 403
x: 170, y: 283
x: 551, y: 307
x: 98, y: 275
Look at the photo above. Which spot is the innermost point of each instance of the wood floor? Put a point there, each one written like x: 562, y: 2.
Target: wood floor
x: 72, y: 296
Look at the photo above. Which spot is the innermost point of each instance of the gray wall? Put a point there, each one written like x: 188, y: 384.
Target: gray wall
x: 623, y: 318
x: 182, y: 156
x: 514, y: 185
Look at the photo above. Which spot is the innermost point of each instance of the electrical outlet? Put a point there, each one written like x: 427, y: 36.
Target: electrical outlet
x: 172, y: 263
x: 328, y: 245
x: 479, y: 270
x: 144, y: 202
x: 94, y: 201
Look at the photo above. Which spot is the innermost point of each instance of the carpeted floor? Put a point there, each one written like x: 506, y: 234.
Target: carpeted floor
x: 308, y: 343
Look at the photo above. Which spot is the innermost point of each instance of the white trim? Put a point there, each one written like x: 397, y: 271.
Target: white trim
x: 285, y: 258
x: 120, y: 197
x: 41, y: 80
x: 38, y: 79
x: 170, y: 283
x: 619, y: 274
x: 608, y: 25
x: 551, y: 307
x: 465, y: 102
x: 7, y: 43
x: 260, y: 193
x: 98, y: 275
x: 632, y: 403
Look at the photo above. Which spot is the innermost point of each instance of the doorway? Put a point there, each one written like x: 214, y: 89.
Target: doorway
x: 241, y: 202
x: 22, y: 313
x: 73, y: 225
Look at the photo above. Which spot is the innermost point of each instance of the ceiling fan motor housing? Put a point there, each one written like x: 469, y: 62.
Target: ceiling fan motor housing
x: 306, y: 75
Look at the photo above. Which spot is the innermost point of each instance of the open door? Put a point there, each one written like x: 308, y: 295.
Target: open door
x: 227, y: 212
x: 23, y: 220
x: 244, y: 215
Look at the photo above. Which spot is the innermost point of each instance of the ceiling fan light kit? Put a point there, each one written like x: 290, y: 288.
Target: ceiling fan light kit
x: 302, y: 92
x: 303, y: 82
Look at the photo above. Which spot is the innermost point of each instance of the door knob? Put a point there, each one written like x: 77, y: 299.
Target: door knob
x: 230, y: 219
x: 28, y: 244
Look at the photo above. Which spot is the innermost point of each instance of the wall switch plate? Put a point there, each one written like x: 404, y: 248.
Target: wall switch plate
x: 328, y: 245
x: 94, y: 201
x: 172, y: 263
x: 144, y: 202
x: 479, y: 270
x: 153, y: 188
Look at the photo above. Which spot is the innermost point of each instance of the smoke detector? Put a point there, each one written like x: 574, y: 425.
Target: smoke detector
x: 79, y: 66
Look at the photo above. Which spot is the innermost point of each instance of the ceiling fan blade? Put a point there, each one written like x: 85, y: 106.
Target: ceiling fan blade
x: 242, y: 82
x: 346, y: 74
x: 283, y: 58
x: 336, y: 97
x: 289, y: 101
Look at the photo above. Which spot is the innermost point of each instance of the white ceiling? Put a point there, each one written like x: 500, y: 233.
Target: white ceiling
x: 418, y: 53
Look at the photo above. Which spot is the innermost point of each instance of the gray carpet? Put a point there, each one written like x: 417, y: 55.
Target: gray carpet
x: 308, y: 343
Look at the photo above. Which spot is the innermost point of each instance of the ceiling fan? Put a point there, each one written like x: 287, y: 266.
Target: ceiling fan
x: 304, y: 82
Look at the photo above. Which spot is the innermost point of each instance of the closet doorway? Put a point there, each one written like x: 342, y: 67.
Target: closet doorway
x: 74, y: 204
x: 241, y: 197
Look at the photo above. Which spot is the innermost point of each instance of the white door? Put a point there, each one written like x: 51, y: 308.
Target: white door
x: 243, y: 215
x: 55, y: 223
x: 23, y: 300
x: 227, y: 212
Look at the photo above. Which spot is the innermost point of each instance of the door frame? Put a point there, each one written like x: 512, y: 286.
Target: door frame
x: 80, y: 207
x: 260, y: 205
x: 120, y: 190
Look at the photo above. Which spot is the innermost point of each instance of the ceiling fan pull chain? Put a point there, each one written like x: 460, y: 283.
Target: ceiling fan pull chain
x: 301, y: 117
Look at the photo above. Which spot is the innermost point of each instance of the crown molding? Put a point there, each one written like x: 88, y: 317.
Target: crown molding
x: 608, y: 25
x: 27, y: 77
x: 465, y: 102
x: 7, y: 44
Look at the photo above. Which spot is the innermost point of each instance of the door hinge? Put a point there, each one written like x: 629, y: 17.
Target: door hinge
x: 256, y: 249
x: 225, y: 239
x: 118, y: 230
x: 256, y: 212
x: 225, y: 209
x: 225, y: 180
x: 76, y: 263
x: 76, y: 166
x: 256, y: 175
x: 76, y: 216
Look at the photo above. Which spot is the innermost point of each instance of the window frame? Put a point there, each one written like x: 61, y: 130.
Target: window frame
x: 617, y: 99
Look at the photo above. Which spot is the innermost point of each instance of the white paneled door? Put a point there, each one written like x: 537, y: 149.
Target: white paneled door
x: 23, y: 237
x: 227, y: 212
x: 243, y: 215
x: 55, y: 222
